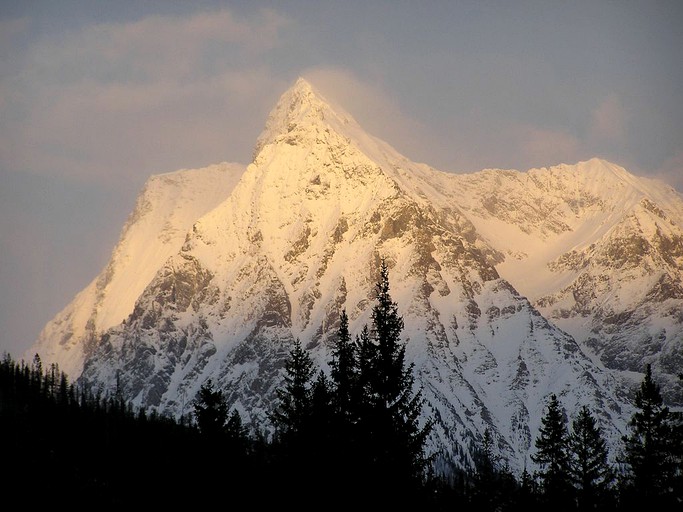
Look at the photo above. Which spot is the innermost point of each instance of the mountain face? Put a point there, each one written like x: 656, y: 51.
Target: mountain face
x: 512, y: 285
x: 599, y: 252
x: 165, y: 210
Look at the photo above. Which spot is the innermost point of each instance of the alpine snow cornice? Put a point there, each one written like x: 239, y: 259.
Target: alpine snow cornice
x: 512, y: 285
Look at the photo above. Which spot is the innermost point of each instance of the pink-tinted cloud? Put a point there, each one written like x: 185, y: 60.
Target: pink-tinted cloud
x: 373, y: 107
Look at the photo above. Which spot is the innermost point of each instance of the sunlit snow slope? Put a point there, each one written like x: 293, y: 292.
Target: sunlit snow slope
x: 164, y: 212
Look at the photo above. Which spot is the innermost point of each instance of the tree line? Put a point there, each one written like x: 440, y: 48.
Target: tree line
x: 355, y: 437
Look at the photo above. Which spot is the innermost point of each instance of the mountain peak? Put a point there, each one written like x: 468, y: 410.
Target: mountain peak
x: 301, y: 109
x: 600, y: 166
x: 303, y: 85
x: 300, y: 96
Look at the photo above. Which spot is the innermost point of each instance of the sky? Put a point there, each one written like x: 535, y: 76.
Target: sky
x: 97, y: 96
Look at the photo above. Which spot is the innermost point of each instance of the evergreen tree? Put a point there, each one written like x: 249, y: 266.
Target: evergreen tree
x: 237, y: 447
x: 210, y: 411
x: 493, y: 488
x: 321, y: 443
x: 484, y: 495
x: 234, y: 427
x: 391, y: 377
x: 367, y: 354
x: 347, y: 452
x: 650, y: 451
x: 344, y: 374
x: 293, y: 447
x: 591, y: 473
x: 36, y: 373
x: 321, y: 407
x: 391, y: 411
x: 553, y: 458
x: 526, y: 497
x: 65, y: 394
x: 292, y: 415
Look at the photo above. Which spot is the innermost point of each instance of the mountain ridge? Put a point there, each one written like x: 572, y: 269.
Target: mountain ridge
x: 299, y: 236
x: 165, y: 209
x: 572, y: 230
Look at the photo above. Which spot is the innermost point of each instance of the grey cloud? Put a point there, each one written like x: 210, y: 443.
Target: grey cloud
x: 145, y: 96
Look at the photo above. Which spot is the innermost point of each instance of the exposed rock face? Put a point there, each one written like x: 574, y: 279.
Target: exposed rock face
x: 597, y: 250
x: 302, y: 234
x: 629, y: 290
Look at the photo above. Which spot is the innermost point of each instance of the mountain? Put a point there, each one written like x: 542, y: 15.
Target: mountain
x: 165, y: 210
x: 484, y: 268
x: 599, y: 252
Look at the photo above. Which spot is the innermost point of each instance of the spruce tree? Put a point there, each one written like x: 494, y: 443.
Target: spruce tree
x: 321, y: 407
x: 235, y: 429
x: 650, y: 450
x: 345, y: 402
x: 321, y: 443
x: 553, y: 457
x: 344, y: 374
x: 292, y: 415
x: 210, y: 411
x: 391, y: 377
x: 37, y: 374
x: 590, y: 470
x: 484, y: 490
x: 526, y: 497
x: 392, y: 408
x: 293, y: 447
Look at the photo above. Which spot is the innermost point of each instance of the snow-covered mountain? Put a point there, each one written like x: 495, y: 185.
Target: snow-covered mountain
x: 216, y: 278
x: 165, y: 210
x: 599, y: 252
